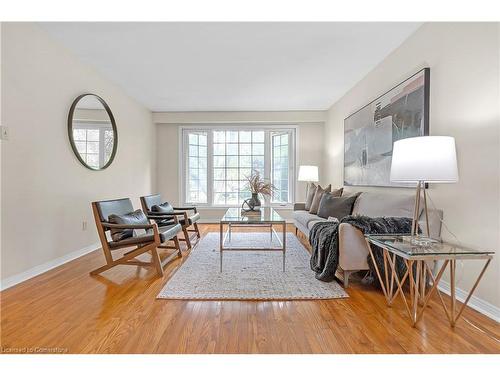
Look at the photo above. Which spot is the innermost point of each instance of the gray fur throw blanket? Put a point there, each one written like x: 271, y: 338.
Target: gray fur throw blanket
x: 323, y: 238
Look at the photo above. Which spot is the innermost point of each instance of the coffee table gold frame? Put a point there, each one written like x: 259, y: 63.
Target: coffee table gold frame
x: 417, y: 271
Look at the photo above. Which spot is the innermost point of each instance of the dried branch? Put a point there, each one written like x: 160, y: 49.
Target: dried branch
x: 258, y: 185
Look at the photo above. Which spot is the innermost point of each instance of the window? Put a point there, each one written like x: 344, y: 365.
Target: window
x: 197, y: 168
x: 235, y: 155
x: 94, y: 142
x: 219, y: 159
x: 280, y: 176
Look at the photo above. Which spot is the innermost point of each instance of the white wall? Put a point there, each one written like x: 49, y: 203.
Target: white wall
x: 46, y: 192
x: 464, y: 63
x: 309, y: 144
x: 1, y: 26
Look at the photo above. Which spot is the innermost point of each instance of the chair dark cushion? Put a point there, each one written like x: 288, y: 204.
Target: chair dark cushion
x: 136, y: 217
x: 191, y: 219
x: 114, y: 206
x: 335, y: 206
x: 149, y: 201
x: 163, y: 208
x: 166, y: 233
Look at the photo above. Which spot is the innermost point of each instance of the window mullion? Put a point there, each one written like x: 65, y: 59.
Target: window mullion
x: 267, y: 161
x: 210, y: 172
x: 291, y: 165
x: 101, y: 148
x: 185, y: 165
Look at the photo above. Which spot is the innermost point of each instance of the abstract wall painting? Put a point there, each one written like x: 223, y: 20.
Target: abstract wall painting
x: 369, y: 133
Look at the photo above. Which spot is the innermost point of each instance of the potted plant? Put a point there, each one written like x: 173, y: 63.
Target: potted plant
x: 257, y: 186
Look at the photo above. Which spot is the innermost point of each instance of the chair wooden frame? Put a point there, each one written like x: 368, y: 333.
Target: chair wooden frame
x: 185, y: 228
x: 129, y: 258
x: 178, y: 211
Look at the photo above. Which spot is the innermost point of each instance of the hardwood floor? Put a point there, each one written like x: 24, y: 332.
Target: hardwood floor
x: 65, y: 309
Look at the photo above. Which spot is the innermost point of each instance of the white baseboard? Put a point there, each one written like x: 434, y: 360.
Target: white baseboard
x: 476, y: 303
x: 35, y: 271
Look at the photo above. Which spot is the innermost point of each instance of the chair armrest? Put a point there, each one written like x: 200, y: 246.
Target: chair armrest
x: 299, y: 206
x: 167, y: 215
x: 164, y: 215
x: 127, y: 226
x: 186, y: 209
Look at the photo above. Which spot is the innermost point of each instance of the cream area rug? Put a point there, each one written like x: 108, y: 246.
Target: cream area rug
x: 248, y: 275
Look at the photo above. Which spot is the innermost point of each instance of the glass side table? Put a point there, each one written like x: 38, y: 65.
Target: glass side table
x: 416, y: 257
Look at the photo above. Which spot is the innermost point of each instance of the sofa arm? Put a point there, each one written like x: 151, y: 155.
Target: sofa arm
x: 299, y: 206
x: 353, y: 249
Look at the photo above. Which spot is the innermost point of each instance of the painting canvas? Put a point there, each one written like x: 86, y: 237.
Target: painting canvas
x: 369, y: 133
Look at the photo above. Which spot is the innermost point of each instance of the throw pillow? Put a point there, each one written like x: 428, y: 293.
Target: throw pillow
x: 163, y: 208
x: 311, y: 190
x: 338, y: 207
x: 136, y: 217
x: 317, y: 197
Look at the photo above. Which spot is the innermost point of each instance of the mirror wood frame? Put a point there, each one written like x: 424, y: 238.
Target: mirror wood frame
x: 70, y: 131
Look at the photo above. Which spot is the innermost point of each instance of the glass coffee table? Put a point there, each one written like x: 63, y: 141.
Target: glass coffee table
x: 267, y: 217
x: 417, y: 255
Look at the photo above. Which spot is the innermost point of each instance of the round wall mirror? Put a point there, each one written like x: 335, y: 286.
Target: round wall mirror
x: 92, y: 131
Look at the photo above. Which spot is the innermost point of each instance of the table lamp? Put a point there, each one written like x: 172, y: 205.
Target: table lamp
x: 420, y: 160
x: 308, y: 173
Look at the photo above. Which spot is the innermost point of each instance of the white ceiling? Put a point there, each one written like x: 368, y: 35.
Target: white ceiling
x: 233, y: 66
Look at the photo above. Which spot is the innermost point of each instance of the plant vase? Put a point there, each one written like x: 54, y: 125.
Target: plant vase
x: 252, y: 203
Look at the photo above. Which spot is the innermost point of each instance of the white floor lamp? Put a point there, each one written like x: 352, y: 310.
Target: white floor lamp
x: 308, y: 173
x: 420, y: 160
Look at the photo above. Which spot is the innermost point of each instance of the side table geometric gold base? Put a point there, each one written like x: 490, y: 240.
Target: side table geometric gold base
x: 416, y: 259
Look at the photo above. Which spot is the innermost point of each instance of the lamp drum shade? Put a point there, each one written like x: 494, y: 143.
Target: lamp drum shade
x: 427, y: 158
x: 308, y: 173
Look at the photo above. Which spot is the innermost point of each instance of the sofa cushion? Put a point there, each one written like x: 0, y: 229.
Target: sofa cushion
x: 136, y: 217
x: 304, y: 217
x: 317, y: 198
x: 311, y: 190
x: 338, y: 207
x: 317, y: 220
x: 380, y: 204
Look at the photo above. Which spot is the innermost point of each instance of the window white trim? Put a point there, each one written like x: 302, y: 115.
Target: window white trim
x: 291, y: 160
x: 183, y: 158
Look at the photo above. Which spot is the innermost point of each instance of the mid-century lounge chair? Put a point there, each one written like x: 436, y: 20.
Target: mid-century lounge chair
x: 163, y: 213
x: 119, y: 218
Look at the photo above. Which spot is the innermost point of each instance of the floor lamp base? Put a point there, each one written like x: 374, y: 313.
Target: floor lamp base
x: 416, y: 212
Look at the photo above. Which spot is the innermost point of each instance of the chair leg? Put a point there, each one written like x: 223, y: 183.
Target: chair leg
x: 186, y: 237
x: 197, y: 230
x: 126, y: 259
x: 178, y: 246
x: 102, y: 269
x: 155, y: 258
